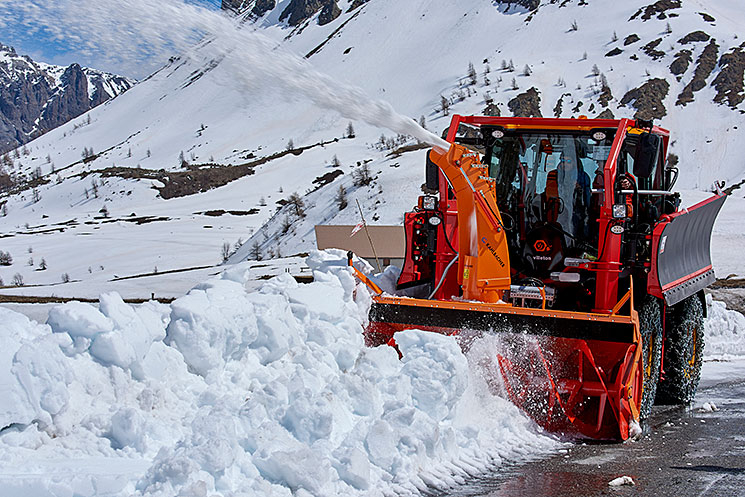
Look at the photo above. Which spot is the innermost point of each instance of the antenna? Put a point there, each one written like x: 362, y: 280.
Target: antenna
x: 367, y: 232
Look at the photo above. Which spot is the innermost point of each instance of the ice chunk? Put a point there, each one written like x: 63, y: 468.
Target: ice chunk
x: 78, y: 319
x: 321, y: 299
x: 213, y: 323
x: 134, y: 330
x: 708, y: 407
x: 42, y: 371
x: 621, y: 481
x: 354, y: 468
x: 381, y: 444
x: 128, y: 429
x: 300, y: 468
x: 17, y: 330
x: 724, y: 331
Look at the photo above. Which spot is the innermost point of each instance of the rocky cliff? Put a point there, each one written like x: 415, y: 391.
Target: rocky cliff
x: 528, y: 4
x: 37, y: 97
x: 295, y: 13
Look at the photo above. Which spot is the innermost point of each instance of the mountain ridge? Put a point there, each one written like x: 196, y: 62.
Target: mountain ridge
x: 36, y: 97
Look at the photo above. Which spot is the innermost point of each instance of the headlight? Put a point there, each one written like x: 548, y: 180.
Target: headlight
x: 566, y: 277
x: 619, y: 211
x: 429, y: 203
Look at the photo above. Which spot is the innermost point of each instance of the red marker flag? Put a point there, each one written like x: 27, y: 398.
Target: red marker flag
x: 357, y: 227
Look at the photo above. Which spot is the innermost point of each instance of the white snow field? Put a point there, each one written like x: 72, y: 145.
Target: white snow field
x: 231, y: 392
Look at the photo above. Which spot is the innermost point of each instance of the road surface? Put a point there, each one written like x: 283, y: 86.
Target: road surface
x: 687, y: 452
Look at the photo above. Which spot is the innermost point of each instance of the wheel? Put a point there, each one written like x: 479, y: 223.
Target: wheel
x: 684, y: 347
x: 650, y: 324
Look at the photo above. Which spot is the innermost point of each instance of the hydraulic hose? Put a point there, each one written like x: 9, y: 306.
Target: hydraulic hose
x: 445, y: 234
x: 442, y: 278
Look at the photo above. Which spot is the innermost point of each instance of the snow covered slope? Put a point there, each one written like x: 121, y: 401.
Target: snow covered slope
x: 196, y: 156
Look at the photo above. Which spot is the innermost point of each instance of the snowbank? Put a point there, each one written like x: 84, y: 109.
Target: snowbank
x: 724, y: 332
x: 231, y: 392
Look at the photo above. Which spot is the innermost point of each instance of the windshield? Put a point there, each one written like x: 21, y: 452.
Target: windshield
x: 548, y: 174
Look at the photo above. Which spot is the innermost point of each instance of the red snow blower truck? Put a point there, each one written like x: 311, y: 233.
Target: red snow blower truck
x: 563, y: 237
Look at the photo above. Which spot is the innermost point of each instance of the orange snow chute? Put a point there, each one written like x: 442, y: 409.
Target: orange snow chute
x: 484, y: 262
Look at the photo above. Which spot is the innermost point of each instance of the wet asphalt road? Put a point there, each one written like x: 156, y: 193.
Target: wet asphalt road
x: 687, y: 452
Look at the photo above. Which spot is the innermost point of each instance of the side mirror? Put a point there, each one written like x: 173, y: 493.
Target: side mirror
x: 647, y: 155
x: 671, y: 176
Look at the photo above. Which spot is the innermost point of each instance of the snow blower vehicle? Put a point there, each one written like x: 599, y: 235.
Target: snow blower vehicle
x: 562, y: 238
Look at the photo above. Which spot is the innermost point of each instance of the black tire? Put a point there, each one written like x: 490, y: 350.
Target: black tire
x: 684, y: 348
x: 650, y: 324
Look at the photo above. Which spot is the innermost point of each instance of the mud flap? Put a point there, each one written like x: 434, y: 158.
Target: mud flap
x: 682, y: 248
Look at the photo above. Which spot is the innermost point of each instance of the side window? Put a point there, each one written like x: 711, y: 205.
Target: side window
x: 647, y: 159
x: 590, y: 166
x: 494, y: 158
x: 659, y: 178
x: 625, y: 164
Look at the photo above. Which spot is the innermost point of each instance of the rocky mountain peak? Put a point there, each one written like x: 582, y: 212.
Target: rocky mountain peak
x: 36, y: 97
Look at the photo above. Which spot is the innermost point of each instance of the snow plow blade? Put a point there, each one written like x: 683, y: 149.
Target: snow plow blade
x: 681, y: 244
x: 573, y: 373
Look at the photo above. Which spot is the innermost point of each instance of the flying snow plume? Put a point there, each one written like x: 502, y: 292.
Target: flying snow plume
x: 136, y: 30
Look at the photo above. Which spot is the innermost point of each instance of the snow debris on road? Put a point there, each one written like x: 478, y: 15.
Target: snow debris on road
x: 231, y: 392
x: 708, y: 407
x: 621, y: 481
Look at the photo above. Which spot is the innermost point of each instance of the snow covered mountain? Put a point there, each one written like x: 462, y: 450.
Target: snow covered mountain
x: 36, y: 97
x: 207, y: 152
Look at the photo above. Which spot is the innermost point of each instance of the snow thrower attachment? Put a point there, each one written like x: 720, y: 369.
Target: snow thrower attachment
x: 561, y: 237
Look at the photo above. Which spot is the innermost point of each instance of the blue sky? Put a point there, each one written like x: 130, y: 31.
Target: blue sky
x: 41, y: 47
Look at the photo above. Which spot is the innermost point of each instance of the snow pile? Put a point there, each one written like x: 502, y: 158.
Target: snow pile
x: 724, y: 331
x: 228, y: 392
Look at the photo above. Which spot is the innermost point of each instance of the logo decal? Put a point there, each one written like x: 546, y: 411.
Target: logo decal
x: 541, y: 246
x: 492, y: 251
